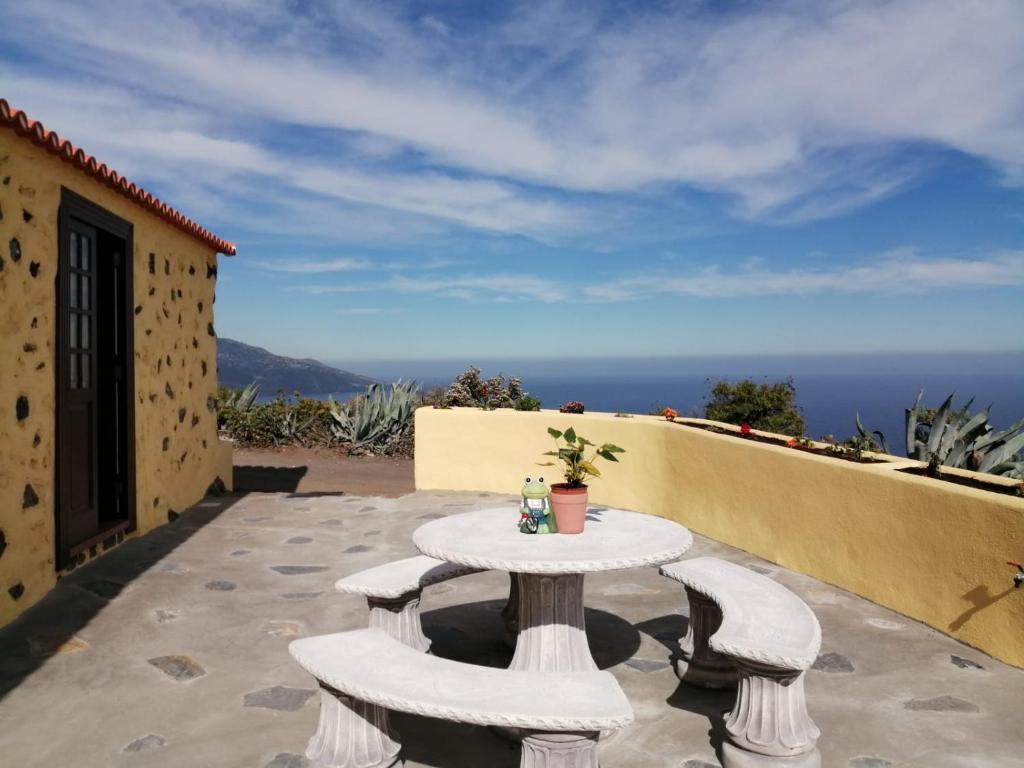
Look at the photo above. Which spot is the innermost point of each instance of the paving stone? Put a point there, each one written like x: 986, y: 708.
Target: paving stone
x: 300, y: 540
x: 945, y: 703
x: 257, y: 519
x: 372, y: 533
x: 699, y: 764
x: 627, y: 589
x: 357, y: 548
x: 163, y: 615
x: 180, y: 667
x: 295, y: 570
x: 301, y: 595
x: 55, y: 644
x: 146, y: 743
x: 334, y: 521
x: 869, y: 762
x: 220, y: 585
x: 431, y: 516
x: 280, y: 697
x: 288, y: 760
x: 240, y: 552
x: 885, y: 624
x: 833, y: 662
x: 103, y: 588
x: 169, y: 567
x: 760, y: 569
x: 963, y: 663
x: 647, y: 665
x: 283, y: 628
x: 368, y: 509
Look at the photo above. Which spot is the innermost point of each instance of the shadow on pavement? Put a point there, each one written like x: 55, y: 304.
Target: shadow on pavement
x: 268, y: 479
x: 48, y: 628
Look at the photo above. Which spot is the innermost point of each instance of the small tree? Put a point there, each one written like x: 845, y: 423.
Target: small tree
x: 768, y: 407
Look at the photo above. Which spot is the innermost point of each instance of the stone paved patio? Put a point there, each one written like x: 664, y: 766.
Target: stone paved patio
x: 171, y: 651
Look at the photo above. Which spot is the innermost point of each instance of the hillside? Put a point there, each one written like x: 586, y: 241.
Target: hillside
x: 239, y: 364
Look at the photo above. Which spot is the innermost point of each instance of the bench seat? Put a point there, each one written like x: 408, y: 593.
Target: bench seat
x: 749, y: 631
x: 366, y: 672
x: 393, y: 591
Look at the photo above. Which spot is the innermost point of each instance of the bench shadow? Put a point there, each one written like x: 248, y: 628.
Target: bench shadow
x: 667, y: 630
x: 49, y: 627
x: 445, y: 744
x: 714, y: 704
x: 474, y: 633
x: 268, y: 479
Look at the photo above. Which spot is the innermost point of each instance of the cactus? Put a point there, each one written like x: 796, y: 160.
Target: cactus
x: 377, y: 418
x: 239, y: 399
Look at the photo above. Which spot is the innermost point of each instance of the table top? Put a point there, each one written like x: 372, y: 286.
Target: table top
x: 613, y: 539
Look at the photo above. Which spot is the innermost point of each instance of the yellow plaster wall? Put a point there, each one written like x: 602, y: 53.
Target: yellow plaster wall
x: 177, y: 452
x: 928, y: 549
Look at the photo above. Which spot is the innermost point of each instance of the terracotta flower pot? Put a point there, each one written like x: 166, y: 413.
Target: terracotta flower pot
x: 570, y: 507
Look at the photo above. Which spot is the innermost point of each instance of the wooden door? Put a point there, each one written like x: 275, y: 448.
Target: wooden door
x: 78, y: 423
x: 95, y: 471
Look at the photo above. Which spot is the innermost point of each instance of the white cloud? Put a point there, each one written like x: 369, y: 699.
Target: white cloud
x: 899, y: 271
x: 796, y: 110
x: 368, y: 311
x: 308, y: 266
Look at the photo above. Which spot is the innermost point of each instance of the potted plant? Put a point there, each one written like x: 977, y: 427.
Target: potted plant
x: 569, y: 499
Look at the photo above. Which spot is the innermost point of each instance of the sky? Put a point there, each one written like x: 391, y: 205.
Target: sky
x: 550, y: 179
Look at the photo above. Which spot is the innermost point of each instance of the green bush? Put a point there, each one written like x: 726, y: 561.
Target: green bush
x: 768, y: 407
x: 528, y: 403
x: 469, y: 390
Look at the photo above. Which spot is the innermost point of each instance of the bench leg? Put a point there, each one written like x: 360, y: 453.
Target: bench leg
x: 559, y: 750
x: 351, y: 734
x: 769, y: 726
x: 400, y: 618
x: 699, y: 664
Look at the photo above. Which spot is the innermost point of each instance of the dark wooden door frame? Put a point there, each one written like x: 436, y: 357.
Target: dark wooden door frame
x: 74, y: 206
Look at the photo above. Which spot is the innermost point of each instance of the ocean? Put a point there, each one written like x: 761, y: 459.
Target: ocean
x: 830, y: 389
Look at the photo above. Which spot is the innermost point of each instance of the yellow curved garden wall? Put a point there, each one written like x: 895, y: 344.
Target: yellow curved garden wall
x: 928, y: 549
x: 175, y: 352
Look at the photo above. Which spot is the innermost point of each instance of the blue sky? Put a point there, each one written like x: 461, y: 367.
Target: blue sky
x: 441, y: 179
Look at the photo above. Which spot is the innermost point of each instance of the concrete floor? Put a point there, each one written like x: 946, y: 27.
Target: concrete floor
x: 171, y: 651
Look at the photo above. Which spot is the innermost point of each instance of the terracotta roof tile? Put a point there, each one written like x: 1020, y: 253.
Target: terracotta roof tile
x: 35, y: 132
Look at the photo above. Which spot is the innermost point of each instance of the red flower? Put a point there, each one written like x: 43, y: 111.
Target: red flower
x: 792, y: 442
x: 669, y: 413
x: 744, y: 428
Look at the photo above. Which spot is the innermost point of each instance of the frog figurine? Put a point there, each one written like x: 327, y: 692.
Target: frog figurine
x: 535, y: 510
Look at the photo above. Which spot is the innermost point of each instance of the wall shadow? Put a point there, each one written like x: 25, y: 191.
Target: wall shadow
x: 980, y: 599
x: 39, y: 633
x: 268, y: 479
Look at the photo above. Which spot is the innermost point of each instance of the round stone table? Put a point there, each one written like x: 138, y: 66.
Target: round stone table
x: 550, y: 568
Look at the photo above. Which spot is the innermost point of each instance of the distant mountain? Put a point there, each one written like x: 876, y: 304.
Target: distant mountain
x: 239, y: 364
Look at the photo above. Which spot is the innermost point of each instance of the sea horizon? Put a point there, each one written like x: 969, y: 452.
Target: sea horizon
x: 830, y: 389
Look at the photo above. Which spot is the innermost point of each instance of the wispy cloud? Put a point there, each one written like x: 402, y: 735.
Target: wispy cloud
x: 310, y: 266
x: 900, y: 271
x: 368, y: 311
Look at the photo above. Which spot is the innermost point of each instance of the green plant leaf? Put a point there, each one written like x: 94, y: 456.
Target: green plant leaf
x: 589, y: 468
x: 570, y: 435
x: 612, y: 448
x: 608, y: 455
x: 554, y: 433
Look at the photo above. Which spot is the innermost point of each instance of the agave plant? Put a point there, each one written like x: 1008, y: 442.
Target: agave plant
x: 956, y: 438
x: 240, y: 399
x: 376, y: 418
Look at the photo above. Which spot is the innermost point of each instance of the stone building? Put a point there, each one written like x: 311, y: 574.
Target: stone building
x: 108, y: 368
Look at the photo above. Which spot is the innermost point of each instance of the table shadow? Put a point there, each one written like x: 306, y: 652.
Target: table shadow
x: 474, y: 633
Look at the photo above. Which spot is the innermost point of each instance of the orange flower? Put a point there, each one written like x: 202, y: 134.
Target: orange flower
x: 792, y: 442
x: 670, y: 413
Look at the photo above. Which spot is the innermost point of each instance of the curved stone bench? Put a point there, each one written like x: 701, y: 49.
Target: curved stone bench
x: 393, y: 592
x: 748, y: 628
x: 365, y: 673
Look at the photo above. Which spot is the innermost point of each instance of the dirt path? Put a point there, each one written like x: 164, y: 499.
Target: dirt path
x: 310, y: 470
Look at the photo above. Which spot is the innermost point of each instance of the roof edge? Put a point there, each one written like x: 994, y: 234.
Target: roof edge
x: 38, y: 134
